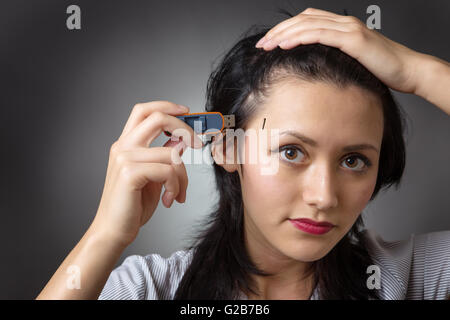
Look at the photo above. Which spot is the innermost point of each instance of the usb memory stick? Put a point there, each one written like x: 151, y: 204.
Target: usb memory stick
x: 207, y: 122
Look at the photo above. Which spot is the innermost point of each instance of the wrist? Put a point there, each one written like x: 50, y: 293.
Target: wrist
x: 429, y: 68
x: 98, y: 235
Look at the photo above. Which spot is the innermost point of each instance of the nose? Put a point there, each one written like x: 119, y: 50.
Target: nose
x: 319, y: 187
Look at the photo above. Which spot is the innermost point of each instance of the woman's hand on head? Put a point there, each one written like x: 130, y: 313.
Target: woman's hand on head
x: 389, y: 61
x: 136, y: 173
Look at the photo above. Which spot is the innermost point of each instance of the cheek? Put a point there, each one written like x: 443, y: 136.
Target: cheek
x: 264, y: 192
x: 356, y: 201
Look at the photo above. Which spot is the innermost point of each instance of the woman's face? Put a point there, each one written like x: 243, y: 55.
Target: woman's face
x: 322, y: 180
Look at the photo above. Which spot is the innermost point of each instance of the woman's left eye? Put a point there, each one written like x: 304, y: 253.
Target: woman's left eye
x: 356, y: 165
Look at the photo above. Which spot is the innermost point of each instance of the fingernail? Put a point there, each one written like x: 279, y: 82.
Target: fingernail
x: 169, y: 197
x: 184, y: 108
x: 268, y: 44
x: 260, y: 42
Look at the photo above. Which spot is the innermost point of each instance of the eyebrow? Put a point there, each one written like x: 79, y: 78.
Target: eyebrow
x: 311, y: 142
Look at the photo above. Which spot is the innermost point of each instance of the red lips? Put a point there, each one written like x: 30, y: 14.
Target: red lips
x: 315, y: 223
x: 311, y: 226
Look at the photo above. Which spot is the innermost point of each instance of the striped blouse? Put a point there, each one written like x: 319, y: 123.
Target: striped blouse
x: 415, y: 268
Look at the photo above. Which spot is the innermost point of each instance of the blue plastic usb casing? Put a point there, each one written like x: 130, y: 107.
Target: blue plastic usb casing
x: 207, y: 122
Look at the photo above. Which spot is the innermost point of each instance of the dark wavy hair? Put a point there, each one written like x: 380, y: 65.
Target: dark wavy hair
x: 220, y: 263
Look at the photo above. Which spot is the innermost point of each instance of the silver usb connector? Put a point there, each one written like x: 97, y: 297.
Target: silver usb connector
x: 228, y: 121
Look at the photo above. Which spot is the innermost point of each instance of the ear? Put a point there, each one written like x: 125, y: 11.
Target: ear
x: 223, y: 155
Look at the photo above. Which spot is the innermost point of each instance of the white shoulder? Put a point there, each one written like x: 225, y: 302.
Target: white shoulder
x: 150, y: 277
x: 394, y: 260
x: 431, y: 272
x: 413, y: 268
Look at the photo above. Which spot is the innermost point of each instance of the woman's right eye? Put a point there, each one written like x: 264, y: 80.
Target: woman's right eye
x: 291, y: 154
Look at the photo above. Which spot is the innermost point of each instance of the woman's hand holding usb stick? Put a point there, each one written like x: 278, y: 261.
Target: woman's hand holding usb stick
x: 136, y: 173
x: 134, y: 179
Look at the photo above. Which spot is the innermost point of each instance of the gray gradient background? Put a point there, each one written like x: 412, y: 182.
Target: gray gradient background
x: 66, y: 96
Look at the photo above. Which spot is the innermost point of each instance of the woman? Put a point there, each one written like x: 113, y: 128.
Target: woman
x: 325, y: 89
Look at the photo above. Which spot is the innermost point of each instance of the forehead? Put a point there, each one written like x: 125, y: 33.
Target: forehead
x: 322, y: 109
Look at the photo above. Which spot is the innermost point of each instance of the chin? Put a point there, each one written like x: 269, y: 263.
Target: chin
x: 308, y: 252
x: 308, y: 257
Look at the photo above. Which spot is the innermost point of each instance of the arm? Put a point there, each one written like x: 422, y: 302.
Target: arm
x: 95, y: 256
x: 133, y: 185
x: 433, y: 81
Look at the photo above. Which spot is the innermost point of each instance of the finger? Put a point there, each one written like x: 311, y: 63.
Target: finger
x: 307, y: 24
x: 152, y: 126
x: 333, y: 38
x: 289, y: 22
x: 165, y: 155
x: 173, y: 143
x: 177, y: 151
x: 280, y: 26
x: 314, y: 11
x: 143, y: 110
x: 323, y: 13
x: 137, y: 175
